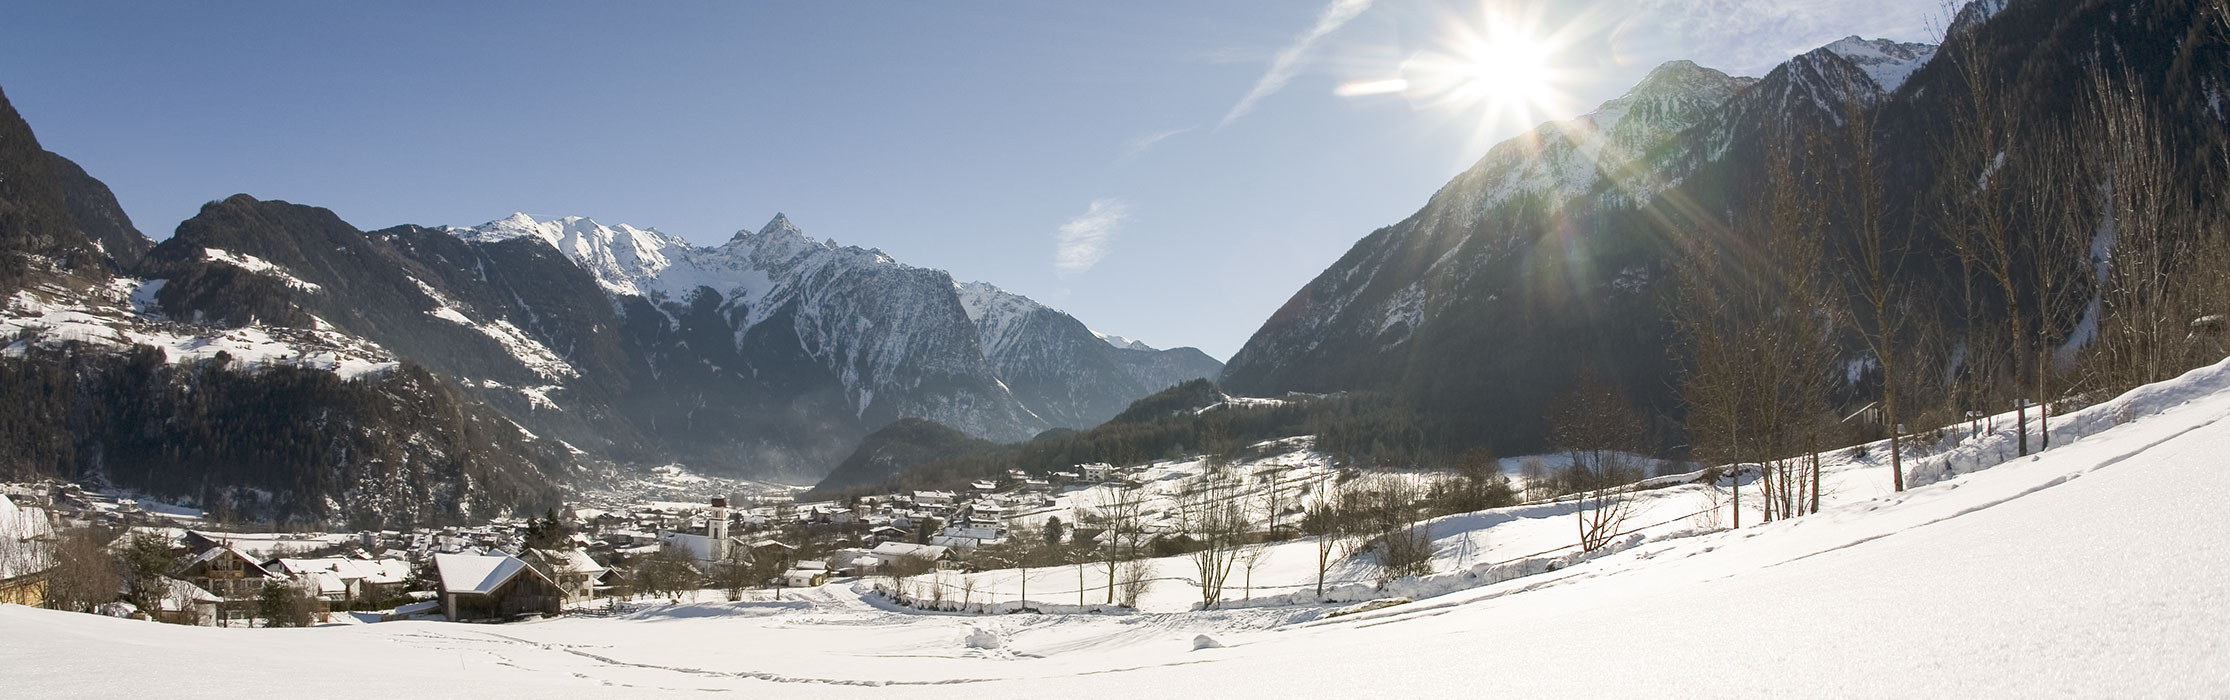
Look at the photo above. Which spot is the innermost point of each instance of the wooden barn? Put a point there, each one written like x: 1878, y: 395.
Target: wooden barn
x: 494, y: 587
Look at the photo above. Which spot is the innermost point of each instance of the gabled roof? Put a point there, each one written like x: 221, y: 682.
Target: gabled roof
x: 468, y: 573
x: 569, y: 560
x: 180, y: 594
x: 218, y: 552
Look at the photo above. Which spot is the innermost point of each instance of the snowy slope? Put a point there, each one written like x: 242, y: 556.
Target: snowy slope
x: 1886, y: 62
x: 2066, y: 574
x: 120, y: 315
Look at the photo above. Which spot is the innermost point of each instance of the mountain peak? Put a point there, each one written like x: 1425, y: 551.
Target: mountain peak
x: 1674, y: 90
x: 1887, y: 63
x: 780, y: 224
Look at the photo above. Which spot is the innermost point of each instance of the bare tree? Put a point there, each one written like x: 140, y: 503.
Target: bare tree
x: 85, y: 575
x: 2141, y: 337
x: 1213, y: 513
x: 1018, y: 553
x: 1599, y: 431
x: 1330, y: 522
x: 1602, y: 514
x: 1875, y: 268
x: 736, y: 571
x: 1978, y: 201
x: 1133, y: 580
x: 1534, y: 471
x: 1399, y: 539
x: 1120, y: 510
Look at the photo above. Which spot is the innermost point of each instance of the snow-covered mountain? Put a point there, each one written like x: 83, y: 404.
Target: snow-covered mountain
x: 1548, y: 258
x: 893, y: 336
x: 1889, y: 64
x: 769, y: 355
x: 1454, y: 305
x: 1553, y: 256
x: 198, y: 378
x: 1072, y: 376
x: 902, y: 341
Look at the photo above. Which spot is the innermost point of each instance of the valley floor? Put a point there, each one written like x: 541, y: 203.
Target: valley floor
x: 2097, y: 569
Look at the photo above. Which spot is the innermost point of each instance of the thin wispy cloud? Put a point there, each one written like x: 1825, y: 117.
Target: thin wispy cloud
x: 1288, y: 62
x: 1080, y: 243
x: 1146, y: 141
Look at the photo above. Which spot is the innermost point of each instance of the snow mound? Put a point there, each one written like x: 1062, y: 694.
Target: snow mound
x: 980, y: 638
x: 1203, y: 641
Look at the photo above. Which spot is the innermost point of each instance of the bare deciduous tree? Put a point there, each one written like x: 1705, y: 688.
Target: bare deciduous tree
x: 1213, y: 512
x: 1119, y: 510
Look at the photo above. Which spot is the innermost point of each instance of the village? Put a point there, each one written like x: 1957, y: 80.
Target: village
x: 579, y: 559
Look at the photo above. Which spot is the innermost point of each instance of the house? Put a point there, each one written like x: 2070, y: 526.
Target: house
x: 806, y: 574
x: 186, y: 604
x: 493, y: 587
x: 889, y: 552
x: 886, y: 533
x: 24, y: 563
x: 1098, y: 471
x: 575, y: 573
x: 226, y: 572
x: 344, y: 579
x: 968, y: 537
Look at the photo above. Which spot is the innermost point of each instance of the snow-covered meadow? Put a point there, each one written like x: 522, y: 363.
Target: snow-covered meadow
x: 2090, y: 570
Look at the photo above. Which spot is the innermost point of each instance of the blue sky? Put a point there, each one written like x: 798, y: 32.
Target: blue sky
x: 1169, y: 171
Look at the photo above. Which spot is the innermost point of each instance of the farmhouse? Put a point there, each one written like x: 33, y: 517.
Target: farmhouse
x: 889, y: 552
x: 493, y: 587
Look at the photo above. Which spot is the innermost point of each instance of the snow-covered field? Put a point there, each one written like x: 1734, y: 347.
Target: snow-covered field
x: 2094, y: 570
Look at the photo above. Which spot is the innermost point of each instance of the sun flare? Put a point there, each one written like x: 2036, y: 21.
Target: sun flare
x: 1499, y: 70
x: 1509, y: 68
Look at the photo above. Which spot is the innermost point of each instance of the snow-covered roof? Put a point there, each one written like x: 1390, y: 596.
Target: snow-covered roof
x: 467, y: 573
x: 181, y: 594
x: 423, y: 606
x: 215, y: 553
x: 893, y: 550
x: 571, y: 560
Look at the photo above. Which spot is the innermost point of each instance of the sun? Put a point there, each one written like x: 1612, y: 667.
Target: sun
x: 1507, y: 69
x: 1501, y: 69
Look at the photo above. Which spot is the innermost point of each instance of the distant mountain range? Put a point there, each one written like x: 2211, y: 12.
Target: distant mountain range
x: 576, y: 343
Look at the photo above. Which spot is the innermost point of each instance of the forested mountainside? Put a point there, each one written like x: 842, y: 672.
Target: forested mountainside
x: 1993, y: 172
x: 286, y: 422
